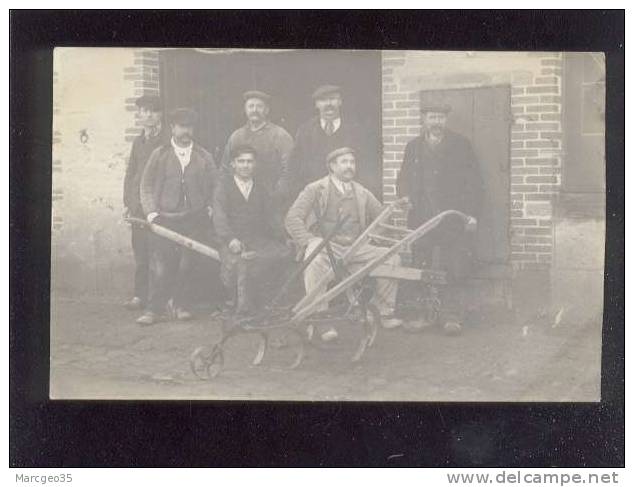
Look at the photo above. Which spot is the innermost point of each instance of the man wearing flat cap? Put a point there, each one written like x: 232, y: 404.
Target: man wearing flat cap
x: 149, y: 114
x: 335, y: 196
x: 327, y: 131
x: 252, y: 240
x: 176, y: 192
x: 441, y: 172
x: 271, y: 142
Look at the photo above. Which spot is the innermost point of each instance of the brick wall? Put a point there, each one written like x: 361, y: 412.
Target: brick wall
x: 57, y: 190
x: 536, y: 138
x: 400, y: 121
x: 536, y: 157
x: 144, y: 75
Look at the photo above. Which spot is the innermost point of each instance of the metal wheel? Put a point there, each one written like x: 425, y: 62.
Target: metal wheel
x: 295, y: 340
x: 427, y: 311
x: 370, y: 327
x: 262, y: 344
x: 432, y: 310
x: 206, y: 363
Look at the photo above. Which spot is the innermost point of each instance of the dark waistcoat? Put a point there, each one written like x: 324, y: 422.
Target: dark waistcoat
x: 248, y: 218
x: 345, y: 203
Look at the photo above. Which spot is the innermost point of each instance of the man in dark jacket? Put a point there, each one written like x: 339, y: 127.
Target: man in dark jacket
x: 440, y: 172
x: 251, y: 238
x: 328, y: 131
x: 176, y: 192
x: 150, y: 113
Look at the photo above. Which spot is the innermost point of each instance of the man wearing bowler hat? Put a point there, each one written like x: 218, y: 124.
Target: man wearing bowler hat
x: 440, y: 172
x: 149, y: 114
x: 271, y: 142
x: 176, y: 192
x: 335, y: 196
x: 327, y: 131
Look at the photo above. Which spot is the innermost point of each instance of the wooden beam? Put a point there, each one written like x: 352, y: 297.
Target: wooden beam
x: 177, y: 238
x: 397, y: 272
x: 394, y: 228
x: 301, y: 313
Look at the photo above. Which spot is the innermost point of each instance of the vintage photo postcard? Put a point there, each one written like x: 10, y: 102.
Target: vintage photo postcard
x: 327, y: 225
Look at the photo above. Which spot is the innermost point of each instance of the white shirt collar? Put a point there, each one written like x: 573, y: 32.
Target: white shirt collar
x: 336, y: 124
x: 245, y: 187
x: 184, y: 154
x: 341, y: 186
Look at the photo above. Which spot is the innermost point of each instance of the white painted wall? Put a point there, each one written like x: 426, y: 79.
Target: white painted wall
x: 89, y: 95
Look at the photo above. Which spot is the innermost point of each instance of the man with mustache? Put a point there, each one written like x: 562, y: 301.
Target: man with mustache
x: 440, y: 172
x: 327, y: 131
x: 176, y: 192
x: 339, y: 195
x: 271, y: 142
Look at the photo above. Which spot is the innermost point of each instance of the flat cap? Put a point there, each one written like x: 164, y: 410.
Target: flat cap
x: 242, y: 149
x: 339, y: 152
x: 325, y: 90
x: 151, y: 102
x: 265, y: 97
x: 184, y: 116
x: 435, y: 107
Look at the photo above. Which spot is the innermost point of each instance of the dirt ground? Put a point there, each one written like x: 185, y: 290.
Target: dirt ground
x: 99, y: 352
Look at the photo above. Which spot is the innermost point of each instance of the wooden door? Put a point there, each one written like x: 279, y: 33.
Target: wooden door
x: 483, y: 115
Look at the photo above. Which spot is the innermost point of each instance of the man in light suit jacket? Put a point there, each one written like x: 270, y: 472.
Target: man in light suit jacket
x: 338, y: 195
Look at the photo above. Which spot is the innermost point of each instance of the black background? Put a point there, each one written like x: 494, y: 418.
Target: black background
x: 133, y: 433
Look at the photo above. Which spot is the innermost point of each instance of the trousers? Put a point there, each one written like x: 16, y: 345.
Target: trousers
x: 172, y: 266
x: 456, y: 257
x: 385, y: 292
x: 141, y: 249
x: 248, y: 280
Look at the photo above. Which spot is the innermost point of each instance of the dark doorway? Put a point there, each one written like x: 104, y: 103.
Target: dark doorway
x: 212, y: 82
x: 483, y: 115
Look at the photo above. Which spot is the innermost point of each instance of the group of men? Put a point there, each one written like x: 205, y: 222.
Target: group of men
x: 270, y: 186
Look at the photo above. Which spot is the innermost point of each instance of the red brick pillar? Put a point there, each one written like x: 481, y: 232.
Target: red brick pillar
x: 144, y: 75
x: 401, y: 123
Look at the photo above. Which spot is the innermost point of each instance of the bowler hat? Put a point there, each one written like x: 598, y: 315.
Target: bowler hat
x: 151, y: 102
x: 325, y: 90
x: 265, y: 97
x: 338, y: 152
x: 184, y: 116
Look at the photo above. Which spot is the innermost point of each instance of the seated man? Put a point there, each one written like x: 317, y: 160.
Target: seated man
x: 338, y: 194
x: 252, y: 245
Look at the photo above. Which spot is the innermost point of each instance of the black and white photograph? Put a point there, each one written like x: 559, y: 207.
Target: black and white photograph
x: 327, y: 225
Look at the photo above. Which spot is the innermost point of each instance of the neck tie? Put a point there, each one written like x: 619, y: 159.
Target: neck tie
x: 329, y: 127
